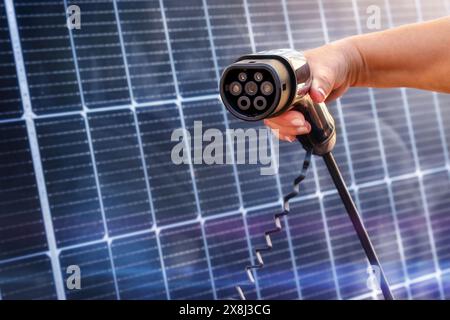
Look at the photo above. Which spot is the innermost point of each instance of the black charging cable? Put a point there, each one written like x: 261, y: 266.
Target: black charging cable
x: 287, y: 80
x: 358, y: 225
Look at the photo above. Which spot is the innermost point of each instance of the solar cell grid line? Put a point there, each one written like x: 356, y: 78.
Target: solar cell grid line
x: 34, y: 148
x: 272, y: 139
x: 350, y: 260
x: 443, y: 99
x: 224, y: 114
x: 50, y: 68
x: 401, y: 293
x: 399, y: 289
x: 442, y: 129
x: 123, y: 52
x: 21, y: 224
x: 307, y: 183
x: 84, y: 93
x: 340, y: 118
x: 380, y: 221
x: 339, y: 151
x: 186, y: 263
x: 339, y: 18
x: 189, y: 47
x: 426, y: 290
x: 417, y: 157
x: 394, y: 131
x: 268, y: 23
x: 426, y: 130
x: 428, y: 10
x: 401, y: 265
x: 277, y: 279
x: 146, y: 52
x: 446, y: 281
x: 215, y: 12
x: 326, y: 231
x: 229, y: 40
x: 444, y: 102
x: 316, y: 186
x: 433, y: 13
x: 138, y: 136
x: 362, y: 136
x: 10, y: 103
x: 417, y: 165
x: 30, y: 278
x: 120, y: 171
x: 138, y: 267
x: 70, y: 179
x: 249, y: 26
x: 403, y: 131
x: 99, y: 55
x: 178, y: 89
x: 290, y: 154
x: 337, y: 29
x: 305, y: 23
x: 96, y: 271
x: 216, y: 183
x: 230, y: 142
x: 416, y: 241
x: 171, y: 185
x: 229, y: 254
x: 252, y: 183
x: 288, y: 24
x: 334, y: 28
x: 312, y: 255
x: 436, y: 191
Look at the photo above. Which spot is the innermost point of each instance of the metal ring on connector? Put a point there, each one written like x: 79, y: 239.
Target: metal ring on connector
x: 260, y: 103
x: 258, y: 76
x: 266, y: 88
x: 251, y: 88
x: 235, y: 88
x: 242, y: 76
x: 244, y: 106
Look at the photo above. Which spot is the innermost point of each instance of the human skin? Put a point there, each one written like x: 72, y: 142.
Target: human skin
x: 414, y: 56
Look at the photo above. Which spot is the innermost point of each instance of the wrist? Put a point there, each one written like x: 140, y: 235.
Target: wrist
x: 357, y: 69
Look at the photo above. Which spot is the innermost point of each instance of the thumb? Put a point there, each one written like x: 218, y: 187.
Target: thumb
x: 322, y: 85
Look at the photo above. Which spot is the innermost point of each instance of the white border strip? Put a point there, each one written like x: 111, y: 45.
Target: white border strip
x: 34, y: 147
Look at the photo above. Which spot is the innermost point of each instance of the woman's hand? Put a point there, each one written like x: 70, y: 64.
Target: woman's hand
x: 413, y: 56
x: 334, y: 68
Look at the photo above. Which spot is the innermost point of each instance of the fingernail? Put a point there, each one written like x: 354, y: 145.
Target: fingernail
x: 298, y: 122
x: 322, y: 93
x: 301, y: 130
x: 308, y: 127
x: 290, y: 139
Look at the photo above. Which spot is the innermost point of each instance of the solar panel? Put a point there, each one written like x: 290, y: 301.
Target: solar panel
x: 86, y: 118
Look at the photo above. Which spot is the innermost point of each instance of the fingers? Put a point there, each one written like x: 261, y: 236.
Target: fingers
x: 289, y: 130
x: 322, y: 85
x: 291, y: 118
x: 283, y: 137
x: 288, y: 125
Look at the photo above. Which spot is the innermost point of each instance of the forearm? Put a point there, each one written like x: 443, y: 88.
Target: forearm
x: 416, y: 56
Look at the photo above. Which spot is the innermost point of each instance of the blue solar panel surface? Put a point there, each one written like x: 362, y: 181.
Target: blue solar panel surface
x: 86, y: 177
